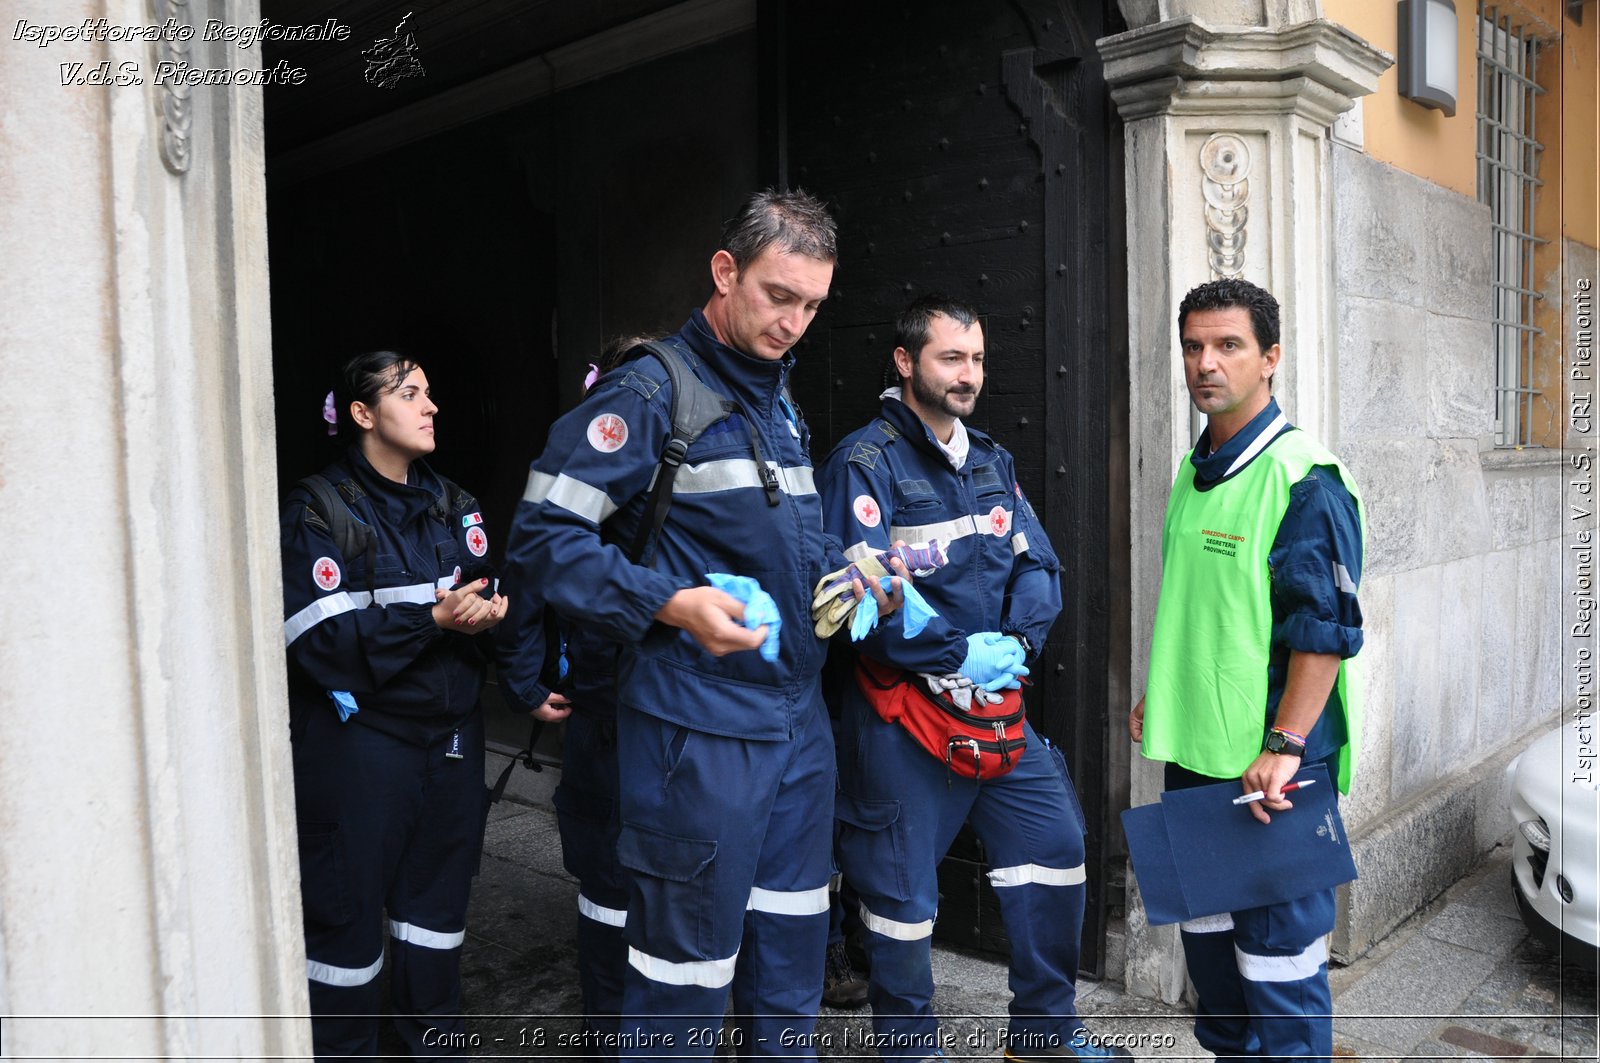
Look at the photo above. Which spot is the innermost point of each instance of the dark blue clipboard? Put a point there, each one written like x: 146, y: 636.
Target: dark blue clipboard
x: 1196, y: 853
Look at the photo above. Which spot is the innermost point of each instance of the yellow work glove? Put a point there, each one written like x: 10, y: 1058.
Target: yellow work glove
x: 835, y: 598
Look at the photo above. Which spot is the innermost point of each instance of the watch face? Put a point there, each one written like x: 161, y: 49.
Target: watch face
x: 1277, y: 742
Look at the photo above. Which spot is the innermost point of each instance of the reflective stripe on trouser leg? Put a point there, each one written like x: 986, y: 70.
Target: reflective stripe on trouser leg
x: 707, y: 821
x: 1283, y: 969
x: 777, y: 988
x: 1030, y: 829
x: 353, y: 786
x: 586, y: 813
x: 1221, y: 1022
x: 898, y: 811
x: 427, y: 900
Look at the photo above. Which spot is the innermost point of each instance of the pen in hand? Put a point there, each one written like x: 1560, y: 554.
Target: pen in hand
x: 1259, y: 795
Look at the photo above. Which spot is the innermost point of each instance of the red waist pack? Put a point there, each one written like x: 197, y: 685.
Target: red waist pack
x: 983, y: 742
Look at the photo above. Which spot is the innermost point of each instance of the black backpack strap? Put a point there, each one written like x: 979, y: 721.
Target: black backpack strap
x: 332, y: 504
x: 452, y: 501
x: 695, y: 407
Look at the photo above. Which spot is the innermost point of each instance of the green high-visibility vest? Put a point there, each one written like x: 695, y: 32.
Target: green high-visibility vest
x: 1206, y: 698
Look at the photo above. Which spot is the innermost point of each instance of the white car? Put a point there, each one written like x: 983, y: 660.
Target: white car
x: 1555, y: 813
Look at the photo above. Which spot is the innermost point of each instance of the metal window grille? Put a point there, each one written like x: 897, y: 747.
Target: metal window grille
x: 1508, y: 167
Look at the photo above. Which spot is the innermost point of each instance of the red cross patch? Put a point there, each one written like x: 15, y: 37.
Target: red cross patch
x: 999, y: 521
x: 325, y: 572
x: 867, y: 511
x: 607, y: 433
x: 477, y: 542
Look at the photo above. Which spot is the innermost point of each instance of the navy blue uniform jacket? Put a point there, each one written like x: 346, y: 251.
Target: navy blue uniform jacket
x: 585, y: 497
x: 409, y: 677
x: 890, y: 481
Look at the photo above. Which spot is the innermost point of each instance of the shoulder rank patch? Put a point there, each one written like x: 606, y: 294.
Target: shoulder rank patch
x: 636, y: 381
x: 866, y: 454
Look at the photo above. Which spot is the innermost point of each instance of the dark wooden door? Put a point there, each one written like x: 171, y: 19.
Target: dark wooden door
x: 967, y: 148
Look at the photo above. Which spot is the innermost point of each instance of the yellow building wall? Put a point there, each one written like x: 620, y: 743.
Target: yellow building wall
x: 1410, y: 137
x: 1424, y: 142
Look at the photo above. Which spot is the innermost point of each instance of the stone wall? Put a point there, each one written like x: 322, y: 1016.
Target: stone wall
x: 1462, y: 585
x: 148, y: 866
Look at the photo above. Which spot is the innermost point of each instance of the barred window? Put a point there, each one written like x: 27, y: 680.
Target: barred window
x: 1508, y: 169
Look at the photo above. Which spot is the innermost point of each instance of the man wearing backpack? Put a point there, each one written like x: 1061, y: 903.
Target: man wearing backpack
x: 918, y: 473
x: 723, y: 744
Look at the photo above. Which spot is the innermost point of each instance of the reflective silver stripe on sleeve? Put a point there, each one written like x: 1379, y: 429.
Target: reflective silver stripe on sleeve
x: 415, y: 594
x: 859, y: 552
x: 1019, y: 543
x: 570, y: 494
x: 428, y: 939
x: 1210, y: 924
x: 732, y: 474
x: 893, y: 928
x: 947, y: 531
x: 1282, y: 968
x: 1024, y: 874
x: 600, y: 913
x: 1341, y: 576
x: 328, y: 974
x: 710, y: 974
x: 788, y: 902
x: 316, y: 613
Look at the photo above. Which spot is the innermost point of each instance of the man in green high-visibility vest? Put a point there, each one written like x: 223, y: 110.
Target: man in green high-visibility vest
x: 1250, y: 670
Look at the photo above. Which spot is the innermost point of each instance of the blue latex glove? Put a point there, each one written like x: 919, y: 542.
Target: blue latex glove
x: 917, y: 612
x: 345, y: 702
x: 759, y: 608
x: 994, y: 661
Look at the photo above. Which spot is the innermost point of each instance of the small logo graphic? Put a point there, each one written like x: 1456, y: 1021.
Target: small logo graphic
x: 455, y: 578
x: 477, y: 542
x: 1329, y: 829
x: 867, y: 511
x: 608, y: 433
x: 325, y: 571
x: 999, y: 521
x: 470, y: 519
x: 391, y: 60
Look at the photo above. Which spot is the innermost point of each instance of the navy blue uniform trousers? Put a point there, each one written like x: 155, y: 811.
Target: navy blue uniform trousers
x: 899, y: 810
x: 587, y: 814
x: 386, y: 827
x: 1261, y: 974
x: 726, y: 845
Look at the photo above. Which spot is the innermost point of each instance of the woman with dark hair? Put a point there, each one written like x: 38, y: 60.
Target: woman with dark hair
x: 387, y: 582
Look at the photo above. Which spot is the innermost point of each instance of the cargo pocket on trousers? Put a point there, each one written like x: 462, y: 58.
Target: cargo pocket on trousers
x: 872, y: 846
x: 675, y: 879
x: 324, y: 892
x: 1072, y: 791
x: 582, y: 818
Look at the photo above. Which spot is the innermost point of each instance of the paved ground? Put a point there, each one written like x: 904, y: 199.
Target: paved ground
x: 1462, y: 980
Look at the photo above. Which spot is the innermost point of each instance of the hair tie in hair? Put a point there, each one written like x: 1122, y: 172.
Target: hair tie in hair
x: 330, y: 413
x: 594, y: 374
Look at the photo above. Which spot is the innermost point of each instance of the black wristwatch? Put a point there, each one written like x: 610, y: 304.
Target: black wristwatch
x: 1278, y: 742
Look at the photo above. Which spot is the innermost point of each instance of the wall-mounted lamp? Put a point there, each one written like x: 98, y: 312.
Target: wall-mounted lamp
x: 1428, y: 47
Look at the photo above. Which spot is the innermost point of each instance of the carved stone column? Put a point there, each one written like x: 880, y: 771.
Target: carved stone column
x: 1227, y: 175
x: 148, y: 860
